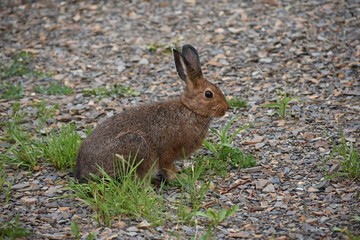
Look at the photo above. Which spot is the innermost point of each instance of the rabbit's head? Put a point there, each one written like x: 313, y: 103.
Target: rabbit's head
x: 200, y: 96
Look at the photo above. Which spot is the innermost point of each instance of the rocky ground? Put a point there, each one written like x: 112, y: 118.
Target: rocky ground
x: 309, y: 49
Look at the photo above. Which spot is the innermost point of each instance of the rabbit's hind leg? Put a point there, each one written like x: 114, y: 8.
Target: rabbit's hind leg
x: 168, y: 169
x: 134, y: 147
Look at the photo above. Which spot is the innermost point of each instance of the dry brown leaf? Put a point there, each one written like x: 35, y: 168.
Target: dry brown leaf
x: 239, y: 235
x: 77, y: 17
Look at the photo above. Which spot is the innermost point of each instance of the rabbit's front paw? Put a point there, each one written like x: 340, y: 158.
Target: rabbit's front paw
x: 169, y: 174
x: 165, y: 175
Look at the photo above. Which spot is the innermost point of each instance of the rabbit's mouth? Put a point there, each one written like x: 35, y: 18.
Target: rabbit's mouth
x: 219, y: 112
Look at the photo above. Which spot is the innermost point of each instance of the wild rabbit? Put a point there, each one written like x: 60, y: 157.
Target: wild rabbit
x: 159, y: 133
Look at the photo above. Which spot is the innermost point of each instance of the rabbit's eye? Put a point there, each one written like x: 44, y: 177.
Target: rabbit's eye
x: 208, y: 94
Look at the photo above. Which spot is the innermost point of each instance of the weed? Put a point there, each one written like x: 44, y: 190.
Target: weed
x: 11, y: 91
x: 4, y: 181
x: 45, y: 112
x: 91, y: 236
x: 8, y: 190
x: 101, y: 92
x: 12, y: 230
x: 2, y: 176
x: 155, y: 47
x: 224, y: 152
x: 347, y: 232
x: 24, y: 149
x: 21, y: 65
x: 110, y: 197
x: 54, y: 88
x: 225, y: 138
x: 236, y: 157
x: 208, y: 234
x: 236, y: 103
x: 348, y: 159
x: 194, y: 190
x: 75, y: 231
x: 61, y: 147
x: 281, y: 104
x: 17, y: 116
x: 184, y: 213
x: 216, y: 217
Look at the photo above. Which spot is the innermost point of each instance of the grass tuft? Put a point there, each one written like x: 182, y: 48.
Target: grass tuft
x: 26, y: 147
x: 194, y: 189
x: 54, y: 88
x: 12, y: 229
x: 215, y: 218
x: 225, y: 153
x: 21, y: 64
x: 348, y: 159
x: 24, y: 150
x: 236, y: 103
x: 11, y: 91
x: 281, y: 104
x: 2, y: 176
x: 60, y: 147
x: 128, y: 195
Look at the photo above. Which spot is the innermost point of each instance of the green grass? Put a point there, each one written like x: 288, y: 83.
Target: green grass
x: 21, y: 64
x: 348, y: 158
x: 194, y: 188
x: 2, y: 176
x: 154, y: 47
x: 12, y: 230
x: 3, y: 181
x: 349, y: 234
x: 281, y: 104
x: 20, y: 150
x: 225, y: 153
x: 118, y: 90
x: 127, y: 195
x: 54, y: 88
x: 11, y: 91
x: 26, y: 147
x: 60, y: 147
x: 44, y: 113
x: 236, y: 103
x: 215, y: 218
x: 75, y: 231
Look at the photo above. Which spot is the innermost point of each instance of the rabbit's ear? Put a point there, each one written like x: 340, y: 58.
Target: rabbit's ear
x: 179, y: 64
x: 187, y: 63
x: 192, y: 62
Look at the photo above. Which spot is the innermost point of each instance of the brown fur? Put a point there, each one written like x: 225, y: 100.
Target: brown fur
x: 158, y: 133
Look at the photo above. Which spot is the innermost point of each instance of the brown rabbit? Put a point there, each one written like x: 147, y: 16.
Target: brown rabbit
x: 158, y: 133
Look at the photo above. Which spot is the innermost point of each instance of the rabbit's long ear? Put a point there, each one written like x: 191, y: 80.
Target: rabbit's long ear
x: 179, y: 64
x: 187, y: 63
x: 192, y: 62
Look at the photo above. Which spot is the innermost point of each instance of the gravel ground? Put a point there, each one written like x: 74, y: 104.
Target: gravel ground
x: 309, y: 49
